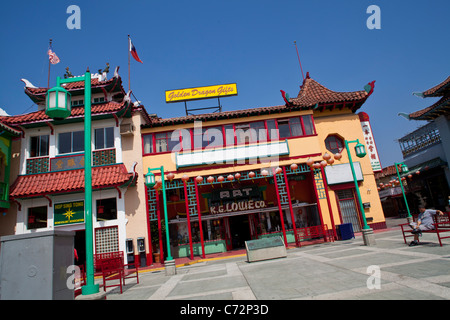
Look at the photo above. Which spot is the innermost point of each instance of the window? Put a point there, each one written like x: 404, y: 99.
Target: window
x: 39, y: 146
x: 69, y: 142
x: 104, y: 138
x: 99, y: 100
x: 308, y: 124
x: 148, y: 143
x: 291, y: 127
x: 242, y: 133
x: 167, y: 141
x: 258, y: 131
x: 37, y: 218
x: 272, y: 129
x: 106, y: 209
x: 212, y: 137
x: 334, y: 143
x: 229, y: 135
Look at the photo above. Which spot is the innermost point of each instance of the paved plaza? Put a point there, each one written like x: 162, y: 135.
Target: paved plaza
x: 341, y: 270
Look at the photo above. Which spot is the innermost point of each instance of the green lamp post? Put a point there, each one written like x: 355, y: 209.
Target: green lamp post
x: 150, y: 182
x: 58, y: 107
x: 360, y: 152
x: 405, y: 169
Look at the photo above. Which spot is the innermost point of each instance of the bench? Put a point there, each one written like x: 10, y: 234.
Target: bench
x: 315, y: 232
x: 112, y: 268
x: 441, y: 225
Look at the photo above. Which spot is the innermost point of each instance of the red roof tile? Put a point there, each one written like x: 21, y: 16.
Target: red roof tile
x: 68, y: 181
x: 438, y: 90
x: 312, y: 93
x: 40, y: 116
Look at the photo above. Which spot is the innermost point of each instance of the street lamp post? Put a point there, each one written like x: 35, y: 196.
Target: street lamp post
x: 58, y: 107
x: 360, y: 151
x: 150, y: 182
x: 404, y: 170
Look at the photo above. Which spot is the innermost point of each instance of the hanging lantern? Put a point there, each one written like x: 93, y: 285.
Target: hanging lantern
x: 251, y: 174
x: 220, y: 179
x: 326, y: 156
x: 264, y: 173
x: 360, y: 150
x: 323, y: 163
x: 410, y: 176
x: 417, y: 172
x: 338, y: 156
x: 170, y: 176
x: 58, y: 104
x: 210, y: 179
x: 316, y: 165
x: 330, y: 161
x: 157, y: 185
x: 278, y: 170
x: 230, y: 177
x: 237, y: 176
x: 294, y: 166
x: 185, y: 178
x: 150, y: 179
x: 199, y: 179
x: 310, y: 162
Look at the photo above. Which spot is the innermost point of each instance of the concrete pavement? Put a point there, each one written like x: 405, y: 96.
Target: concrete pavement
x: 341, y: 270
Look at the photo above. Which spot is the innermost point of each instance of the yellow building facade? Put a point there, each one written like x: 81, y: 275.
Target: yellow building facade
x: 256, y: 173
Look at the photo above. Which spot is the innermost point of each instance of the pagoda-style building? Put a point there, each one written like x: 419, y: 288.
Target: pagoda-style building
x: 426, y: 151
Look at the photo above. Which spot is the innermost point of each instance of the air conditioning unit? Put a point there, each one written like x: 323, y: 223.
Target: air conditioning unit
x: 126, y: 129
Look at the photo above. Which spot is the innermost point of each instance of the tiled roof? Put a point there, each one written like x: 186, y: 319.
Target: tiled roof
x: 312, y: 96
x: 40, y: 116
x: 312, y: 93
x: 68, y: 181
x: 442, y: 106
x: 11, y: 130
x: 438, y: 90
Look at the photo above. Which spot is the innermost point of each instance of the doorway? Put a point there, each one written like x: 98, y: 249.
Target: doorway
x: 240, y: 231
x: 80, y: 247
x: 348, y: 209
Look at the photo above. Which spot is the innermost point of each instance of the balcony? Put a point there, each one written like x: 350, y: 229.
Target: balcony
x: 419, y: 140
x: 74, y: 161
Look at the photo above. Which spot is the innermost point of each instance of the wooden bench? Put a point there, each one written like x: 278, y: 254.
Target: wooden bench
x: 441, y: 225
x: 112, y: 268
x: 315, y: 232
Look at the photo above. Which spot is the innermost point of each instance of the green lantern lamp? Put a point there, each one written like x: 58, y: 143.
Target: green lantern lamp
x: 150, y: 179
x: 58, y: 103
x: 405, y: 168
x: 360, y: 150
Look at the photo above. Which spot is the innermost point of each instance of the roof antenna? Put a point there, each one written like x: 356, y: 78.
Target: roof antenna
x: 295, y: 44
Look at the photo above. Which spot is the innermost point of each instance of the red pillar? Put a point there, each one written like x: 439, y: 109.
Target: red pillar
x: 188, y: 220
x: 158, y: 211
x: 149, y: 234
x: 279, y: 208
x: 329, y: 203
x: 199, y: 219
x: 317, y: 198
x: 290, y: 206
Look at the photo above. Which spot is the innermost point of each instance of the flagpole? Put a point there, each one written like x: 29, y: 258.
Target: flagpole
x: 129, y: 46
x: 48, y: 80
x: 295, y: 43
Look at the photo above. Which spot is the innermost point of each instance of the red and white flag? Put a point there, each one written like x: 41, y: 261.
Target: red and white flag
x: 133, y: 51
x: 52, y: 57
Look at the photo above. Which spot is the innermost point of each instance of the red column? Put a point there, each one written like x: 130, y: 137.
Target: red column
x: 279, y: 208
x: 188, y: 220
x: 149, y: 234
x: 317, y: 198
x: 290, y: 205
x: 199, y: 219
x: 329, y: 203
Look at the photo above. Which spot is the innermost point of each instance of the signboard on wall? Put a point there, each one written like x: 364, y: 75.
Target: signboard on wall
x: 370, y: 142
x: 68, y: 213
x: 342, y: 173
x: 217, y: 91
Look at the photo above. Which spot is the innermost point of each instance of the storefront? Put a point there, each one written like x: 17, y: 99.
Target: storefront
x: 240, y: 175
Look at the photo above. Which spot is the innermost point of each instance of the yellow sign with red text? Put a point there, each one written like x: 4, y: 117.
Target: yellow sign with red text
x: 222, y: 90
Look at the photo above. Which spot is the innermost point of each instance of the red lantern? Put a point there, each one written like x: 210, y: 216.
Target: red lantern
x: 338, y: 156
x: 310, y: 162
x: 185, y: 178
x: 210, y: 179
x: 170, y: 176
x: 264, y: 173
x: 237, y: 176
x: 251, y: 174
x: 230, y: 177
x: 278, y: 170
x: 326, y: 156
x: 323, y: 163
x: 199, y: 179
x: 100, y: 209
x: 330, y: 161
x: 316, y: 165
x: 294, y: 166
x: 220, y: 179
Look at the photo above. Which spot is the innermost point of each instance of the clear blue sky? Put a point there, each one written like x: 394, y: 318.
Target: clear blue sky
x: 197, y: 43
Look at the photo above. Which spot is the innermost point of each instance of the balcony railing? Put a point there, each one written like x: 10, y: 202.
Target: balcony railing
x: 76, y: 161
x: 420, y: 139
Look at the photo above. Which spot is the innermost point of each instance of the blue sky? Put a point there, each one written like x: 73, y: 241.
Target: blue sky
x: 198, y: 43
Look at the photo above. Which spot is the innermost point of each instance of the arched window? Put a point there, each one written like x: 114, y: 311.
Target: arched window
x: 334, y: 143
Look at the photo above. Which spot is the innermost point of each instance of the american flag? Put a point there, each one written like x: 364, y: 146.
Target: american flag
x: 53, y: 57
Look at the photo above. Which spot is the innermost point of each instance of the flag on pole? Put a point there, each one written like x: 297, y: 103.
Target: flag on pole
x: 52, y: 57
x: 134, y: 52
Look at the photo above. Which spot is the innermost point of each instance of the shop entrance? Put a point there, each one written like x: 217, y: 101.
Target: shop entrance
x: 240, y: 231
x: 80, y: 247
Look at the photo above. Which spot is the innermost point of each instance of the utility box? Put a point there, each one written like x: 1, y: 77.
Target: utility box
x: 34, y: 266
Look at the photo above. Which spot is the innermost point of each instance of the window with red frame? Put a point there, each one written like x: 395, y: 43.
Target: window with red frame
x: 334, y: 143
